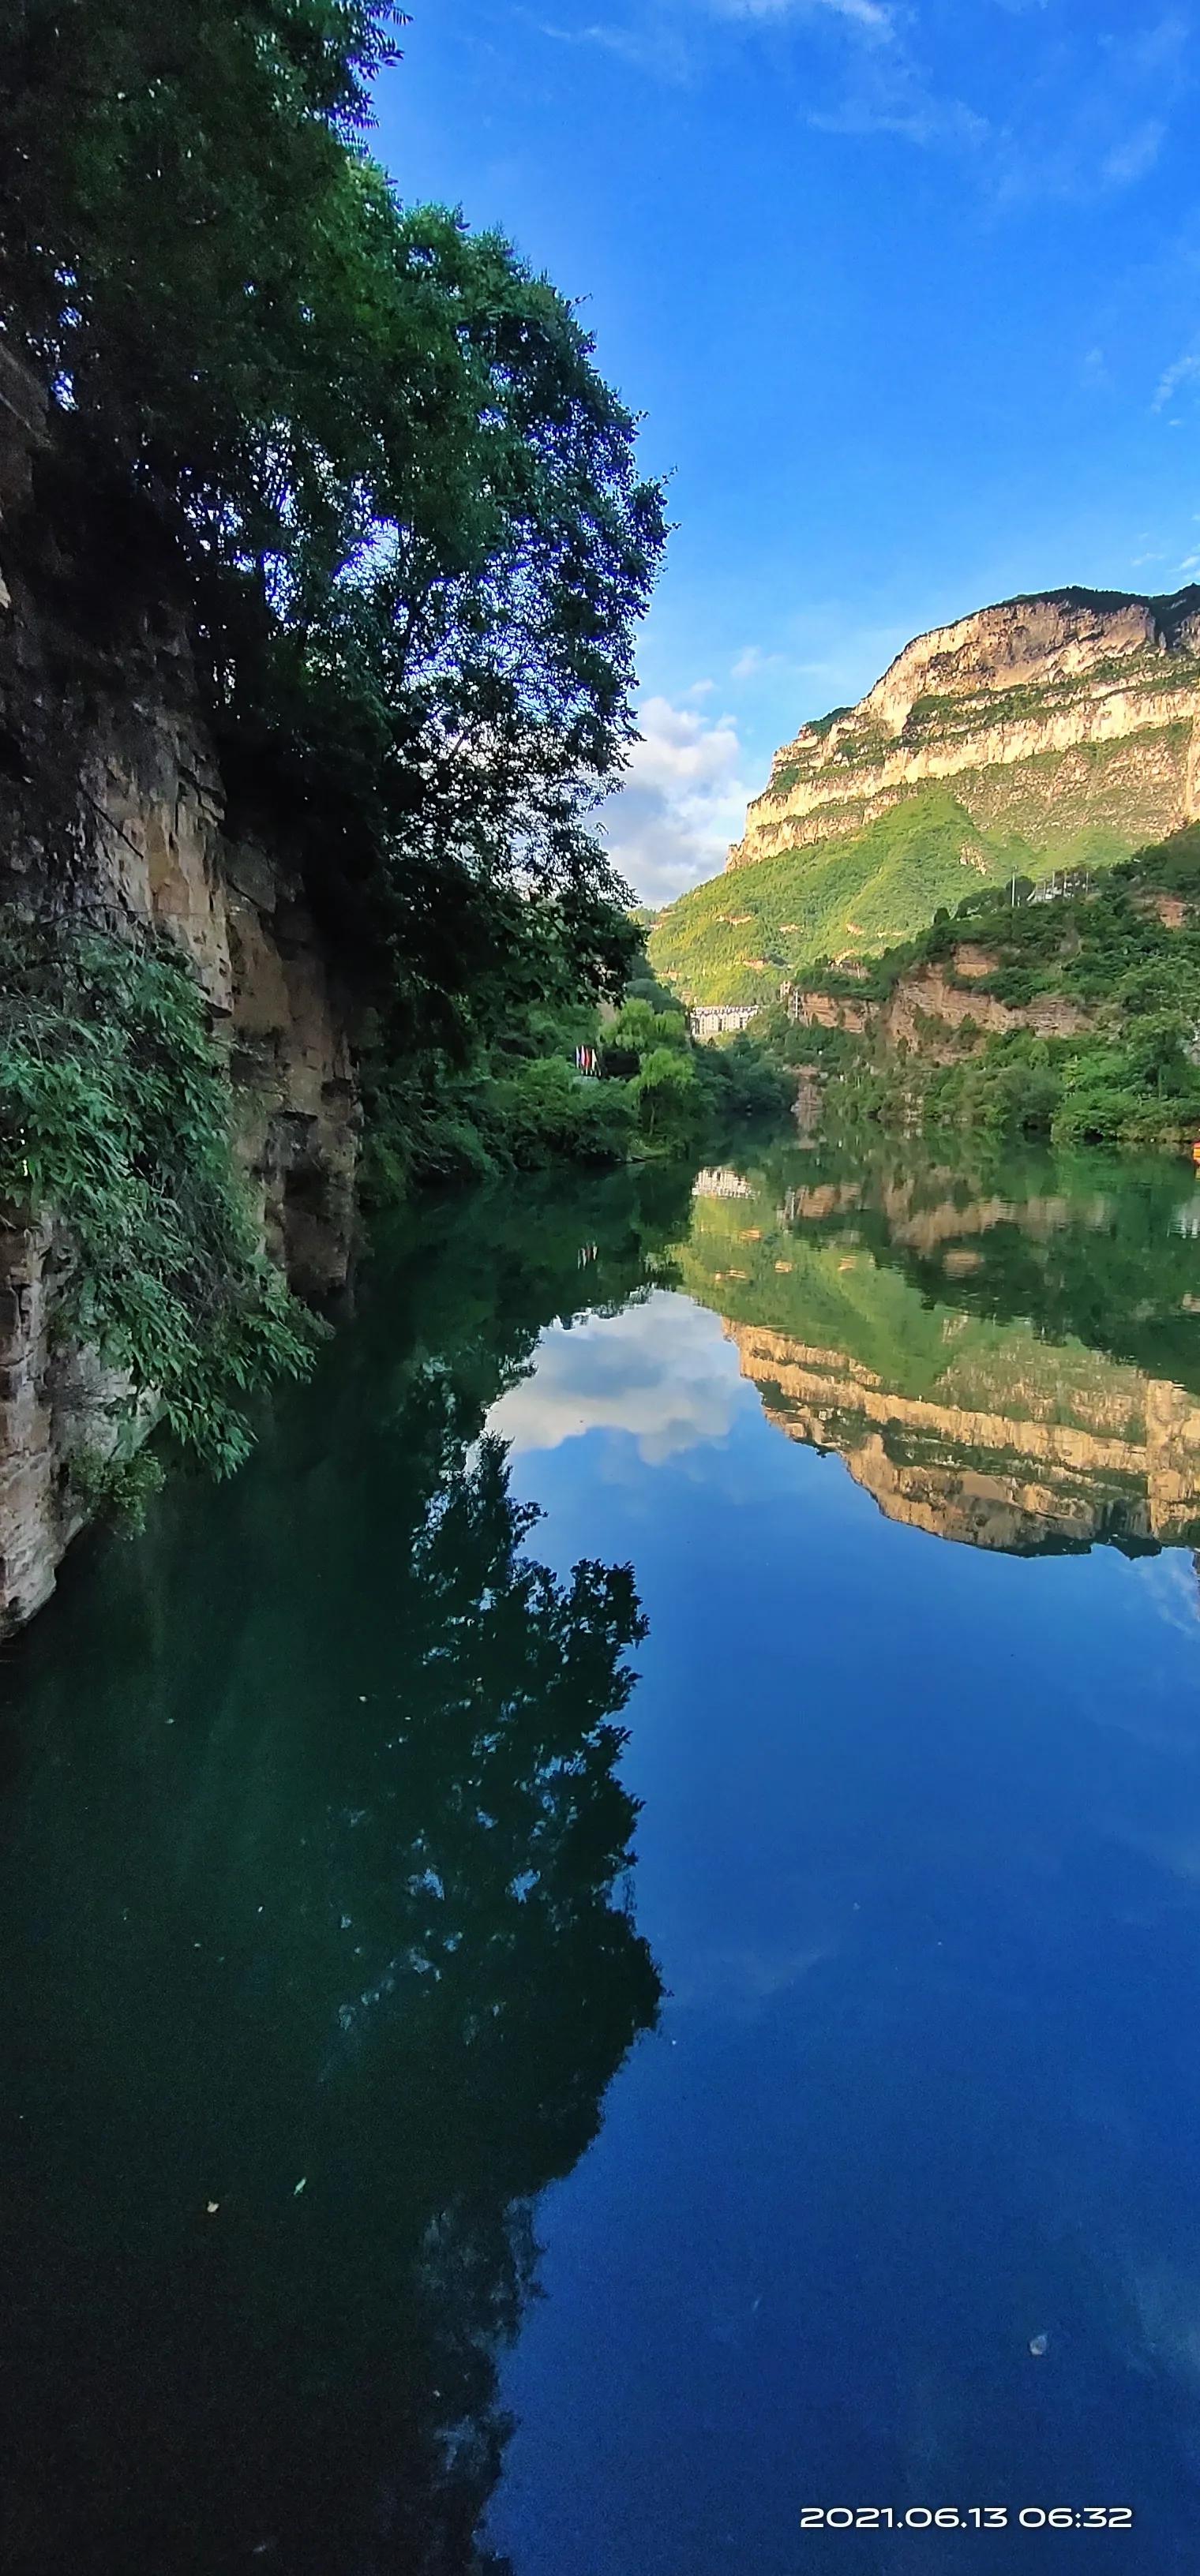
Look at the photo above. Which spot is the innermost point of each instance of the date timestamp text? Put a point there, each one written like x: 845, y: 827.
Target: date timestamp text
x: 970, y: 2517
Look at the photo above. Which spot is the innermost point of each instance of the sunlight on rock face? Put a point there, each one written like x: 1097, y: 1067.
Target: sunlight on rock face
x: 662, y: 1372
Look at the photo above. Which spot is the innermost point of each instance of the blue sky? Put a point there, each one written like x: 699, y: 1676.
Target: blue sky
x: 908, y: 291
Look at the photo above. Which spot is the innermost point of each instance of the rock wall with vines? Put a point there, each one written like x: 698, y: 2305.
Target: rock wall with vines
x: 169, y: 1017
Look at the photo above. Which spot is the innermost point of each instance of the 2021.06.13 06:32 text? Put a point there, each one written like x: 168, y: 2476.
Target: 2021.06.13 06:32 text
x: 975, y: 2517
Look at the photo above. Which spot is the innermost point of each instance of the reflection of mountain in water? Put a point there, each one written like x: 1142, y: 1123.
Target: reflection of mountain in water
x: 874, y: 1311
x: 1015, y: 1478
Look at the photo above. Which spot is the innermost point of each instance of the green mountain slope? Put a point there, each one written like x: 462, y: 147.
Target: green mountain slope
x: 735, y: 938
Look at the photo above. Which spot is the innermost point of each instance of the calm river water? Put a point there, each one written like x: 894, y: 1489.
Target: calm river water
x: 554, y: 2044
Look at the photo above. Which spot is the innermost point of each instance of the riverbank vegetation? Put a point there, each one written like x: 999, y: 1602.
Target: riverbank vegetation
x: 523, y: 1104
x: 364, y: 457
x: 1112, y: 972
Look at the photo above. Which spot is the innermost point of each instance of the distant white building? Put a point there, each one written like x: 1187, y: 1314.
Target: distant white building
x: 720, y: 1184
x: 1064, y: 882
x: 721, y: 1019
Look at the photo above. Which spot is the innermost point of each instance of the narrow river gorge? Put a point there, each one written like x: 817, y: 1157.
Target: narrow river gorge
x: 602, y: 1948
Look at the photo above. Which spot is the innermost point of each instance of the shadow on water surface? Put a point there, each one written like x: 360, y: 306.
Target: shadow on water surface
x: 320, y: 1952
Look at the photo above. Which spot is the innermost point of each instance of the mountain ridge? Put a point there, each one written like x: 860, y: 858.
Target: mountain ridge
x: 1059, y: 728
x: 1024, y: 681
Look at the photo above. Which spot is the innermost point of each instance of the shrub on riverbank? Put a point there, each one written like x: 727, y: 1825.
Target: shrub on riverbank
x: 659, y: 1095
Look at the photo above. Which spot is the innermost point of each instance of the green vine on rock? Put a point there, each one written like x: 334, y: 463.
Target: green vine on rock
x: 118, y: 1488
x: 115, y: 1118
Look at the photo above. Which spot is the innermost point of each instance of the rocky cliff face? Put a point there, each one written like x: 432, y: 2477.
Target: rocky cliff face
x: 934, y: 1010
x: 111, y: 804
x: 1048, y: 715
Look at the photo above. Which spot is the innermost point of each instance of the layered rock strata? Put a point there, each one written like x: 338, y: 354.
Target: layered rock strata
x: 1047, y: 715
x: 936, y: 1013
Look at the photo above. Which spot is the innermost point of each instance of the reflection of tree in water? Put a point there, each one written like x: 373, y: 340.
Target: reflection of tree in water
x: 327, y: 1869
x: 504, y: 1982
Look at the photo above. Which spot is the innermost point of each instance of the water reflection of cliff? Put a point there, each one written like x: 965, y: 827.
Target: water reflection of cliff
x: 1010, y: 1363
x: 316, y: 1900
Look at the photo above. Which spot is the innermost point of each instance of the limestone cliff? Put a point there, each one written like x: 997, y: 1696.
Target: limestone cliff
x: 935, y: 1009
x: 1049, y: 715
x: 112, y: 806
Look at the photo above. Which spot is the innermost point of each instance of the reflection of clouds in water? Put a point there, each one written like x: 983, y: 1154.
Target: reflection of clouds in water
x: 1166, y: 2299
x: 661, y: 1371
x: 1176, y: 1852
x: 1174, y: 1587
x: 737, y: 1983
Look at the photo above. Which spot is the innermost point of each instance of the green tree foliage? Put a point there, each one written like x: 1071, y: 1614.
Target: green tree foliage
x: 743, y: 1079
x: 641, y: 1025
x: 416, y: 540
x: 681, y: 1091
x: 664, y: 1088
x: 501, y: 1114
x: 370, y: 453
x: 114, y: 1107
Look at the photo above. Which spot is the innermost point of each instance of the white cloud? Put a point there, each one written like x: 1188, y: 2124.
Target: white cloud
x: 678, y: 744
x: 1096, y: 112
x: 752, y: 660
x: 891, y: 96
x: 667, y: 37
x: 658, y: 42
x: 1159, y: 49
x: 863, y: 13
x: 1132, y: 158
x: 1183, y: 372
x: 662, y: 1372
x: 867, y: 14
x: 1093, y: 114
x: 683, y: 801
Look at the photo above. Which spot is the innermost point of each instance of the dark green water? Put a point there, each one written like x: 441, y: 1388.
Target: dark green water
x: 595, y: 2189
